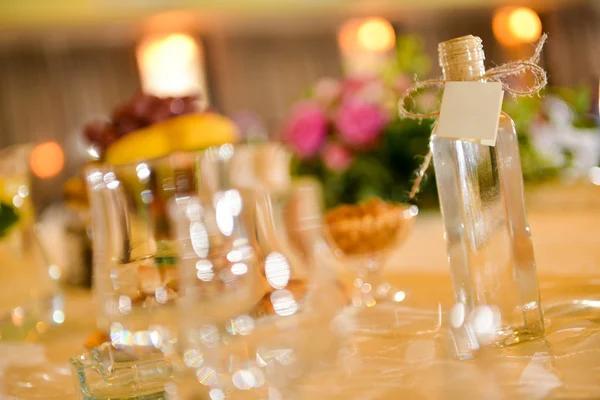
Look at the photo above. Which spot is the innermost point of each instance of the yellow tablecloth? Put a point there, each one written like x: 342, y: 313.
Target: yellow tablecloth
x: 566, y: 364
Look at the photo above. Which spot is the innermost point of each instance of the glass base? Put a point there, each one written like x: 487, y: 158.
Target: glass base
x: 573, y: 309
x: 390, y: 319
x: 557, y: 314
x: 517, y: 336
x: 106, y: 373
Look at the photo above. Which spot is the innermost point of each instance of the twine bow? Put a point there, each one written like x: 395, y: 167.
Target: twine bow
x: 495, y: 74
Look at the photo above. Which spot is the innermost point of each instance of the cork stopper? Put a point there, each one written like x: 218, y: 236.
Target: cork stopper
x: 462, y: 58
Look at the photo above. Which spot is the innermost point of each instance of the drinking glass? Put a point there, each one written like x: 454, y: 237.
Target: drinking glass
x: 364, y: 237
x: 30, y: 299
x: 135, y: 274
x: 256, y: 308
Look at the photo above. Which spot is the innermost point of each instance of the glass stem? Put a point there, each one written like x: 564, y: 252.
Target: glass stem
x: 369, y: 281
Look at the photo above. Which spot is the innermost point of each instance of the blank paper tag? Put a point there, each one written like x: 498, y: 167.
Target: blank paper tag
x: 471, y: 111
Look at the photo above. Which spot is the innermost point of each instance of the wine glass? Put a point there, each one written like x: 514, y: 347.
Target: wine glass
x: 364, y: 237
x: 256, y: 309
x: 134, y: 259
x: 30, y: 299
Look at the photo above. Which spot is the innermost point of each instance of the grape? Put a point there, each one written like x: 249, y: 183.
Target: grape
x: 121, y: 112
x: 141, y: 111
x: 160, y: 112
x: 126, y: 125
x: 177, y: 106
x: 142, y: 104
x: 110, y: 135
x: 190, y: 104
x: 93, y: 130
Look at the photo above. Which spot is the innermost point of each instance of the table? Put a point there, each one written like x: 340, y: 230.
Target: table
x: 566, y: 364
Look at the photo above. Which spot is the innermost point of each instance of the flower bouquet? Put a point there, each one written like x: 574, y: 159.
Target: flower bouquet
x: 347, y: 133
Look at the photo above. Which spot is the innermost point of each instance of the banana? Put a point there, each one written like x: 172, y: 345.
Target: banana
x: 185, y: 133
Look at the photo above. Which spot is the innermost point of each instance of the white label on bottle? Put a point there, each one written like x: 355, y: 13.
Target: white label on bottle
x: 471, y: 111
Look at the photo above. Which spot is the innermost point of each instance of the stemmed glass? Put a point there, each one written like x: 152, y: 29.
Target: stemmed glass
x: 364, y: 237
x: 256, y: 308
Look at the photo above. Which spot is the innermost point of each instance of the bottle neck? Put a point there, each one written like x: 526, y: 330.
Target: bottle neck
x: 462, y: 58
x: 464, y: 71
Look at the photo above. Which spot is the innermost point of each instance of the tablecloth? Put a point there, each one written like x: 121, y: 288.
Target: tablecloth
x: 565, y: 364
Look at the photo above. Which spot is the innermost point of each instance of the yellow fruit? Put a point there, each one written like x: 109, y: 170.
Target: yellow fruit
x: 186, y: 133
x: 139, y: 145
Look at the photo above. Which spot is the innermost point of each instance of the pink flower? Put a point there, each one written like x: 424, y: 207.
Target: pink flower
x: 373, y: 92
x: 327, y: 90
x: 360, y: 123
x: 337, y: 157
x: 306, y: 129
x: 354, y: 84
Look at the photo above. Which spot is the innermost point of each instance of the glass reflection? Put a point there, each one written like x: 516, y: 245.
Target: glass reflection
x: 277, y: 270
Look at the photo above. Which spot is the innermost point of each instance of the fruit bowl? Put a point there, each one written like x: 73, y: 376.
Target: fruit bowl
x: 148, y: 127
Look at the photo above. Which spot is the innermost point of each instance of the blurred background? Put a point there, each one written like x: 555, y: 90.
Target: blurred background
x: 64, y: 62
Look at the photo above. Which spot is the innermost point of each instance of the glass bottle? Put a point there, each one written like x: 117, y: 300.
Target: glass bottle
x: 488, y: 240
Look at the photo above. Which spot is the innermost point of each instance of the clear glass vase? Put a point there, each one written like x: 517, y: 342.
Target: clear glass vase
x: 30, y: 299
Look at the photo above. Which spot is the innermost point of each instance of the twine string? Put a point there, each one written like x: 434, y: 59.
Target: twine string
x: 496, y: 74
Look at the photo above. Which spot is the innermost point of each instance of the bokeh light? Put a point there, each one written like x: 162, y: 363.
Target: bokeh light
x: 277, y: 270
x: 525, y: 25
x: 594, y: 175
x: 47, y: 160
x: 170, y: 65
x: 377, y: 35
x: 347, y: 36
x: 371, y: 35
x: 513, y: 26
x: 283, y: 302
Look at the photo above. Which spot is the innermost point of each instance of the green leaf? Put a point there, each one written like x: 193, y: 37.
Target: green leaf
x: 8, y: 218
x: 411, y: 56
